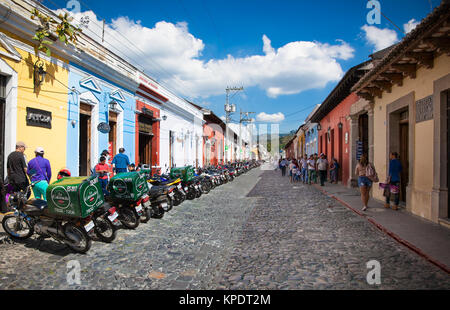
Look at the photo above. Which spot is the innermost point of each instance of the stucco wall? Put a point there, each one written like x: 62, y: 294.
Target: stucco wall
x: 51, y: 97
x: 422, y: 166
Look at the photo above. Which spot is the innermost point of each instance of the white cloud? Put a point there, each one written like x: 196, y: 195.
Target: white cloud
x: 270, y: 118
x: 380, y: 38
x: 408, y: 27
x: 169, y: 53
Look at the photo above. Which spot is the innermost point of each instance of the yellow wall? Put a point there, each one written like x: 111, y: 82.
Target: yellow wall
x: 52, y: 96
x: 422, y: 86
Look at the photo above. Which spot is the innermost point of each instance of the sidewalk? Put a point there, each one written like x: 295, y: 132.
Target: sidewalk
x: 429, y: 240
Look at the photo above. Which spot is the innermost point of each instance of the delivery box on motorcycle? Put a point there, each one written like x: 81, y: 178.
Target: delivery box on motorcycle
x: 185, y: 173
x: 75, y: 197
x: 128, y: 186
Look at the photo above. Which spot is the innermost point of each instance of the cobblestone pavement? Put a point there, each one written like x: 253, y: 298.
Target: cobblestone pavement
x: 184, y: 250
x: 240, y: 236
x: 298, y: 238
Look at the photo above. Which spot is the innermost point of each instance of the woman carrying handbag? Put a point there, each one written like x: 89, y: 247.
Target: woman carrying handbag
x: 366, y: 176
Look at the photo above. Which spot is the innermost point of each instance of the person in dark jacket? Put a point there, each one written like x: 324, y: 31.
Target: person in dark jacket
x: 395, y: 168
x: 17, y: 168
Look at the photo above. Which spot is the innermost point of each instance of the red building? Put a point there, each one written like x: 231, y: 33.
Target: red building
x: 147, y: 123
x: 333, y: 119
x: 290, y: 149
x: 213, y: 140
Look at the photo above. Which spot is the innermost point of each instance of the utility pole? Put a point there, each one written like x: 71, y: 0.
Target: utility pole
x: 246, y: 119
x: 229, y: 109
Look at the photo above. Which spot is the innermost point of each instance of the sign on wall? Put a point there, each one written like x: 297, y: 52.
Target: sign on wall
x: 424, y: 109
x: 39, y: 118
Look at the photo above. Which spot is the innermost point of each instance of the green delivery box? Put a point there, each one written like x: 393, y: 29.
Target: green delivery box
x: 185, y: 173
x: 75, y: 197
x: 128, y: 186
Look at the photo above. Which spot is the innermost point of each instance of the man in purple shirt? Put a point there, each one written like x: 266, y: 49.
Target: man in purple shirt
x: 41, y: 173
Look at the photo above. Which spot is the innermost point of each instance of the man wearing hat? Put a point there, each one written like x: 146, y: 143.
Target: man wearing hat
x: 40, y: 173
x: 17, y: 168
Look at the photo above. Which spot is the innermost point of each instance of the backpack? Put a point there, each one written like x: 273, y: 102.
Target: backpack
x: 371, y: 173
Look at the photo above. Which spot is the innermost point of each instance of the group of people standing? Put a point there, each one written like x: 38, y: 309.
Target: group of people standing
x: 38, y: 170
x: 310, y: 169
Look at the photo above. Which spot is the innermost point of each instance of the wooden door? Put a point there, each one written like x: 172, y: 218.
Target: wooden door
x: 145, y: 149
x: 2, y: 138
x: 448, y: 150
x: 2, y: 124
x: 112, y: 138
x: 85, y: 140
x: 404, y: 156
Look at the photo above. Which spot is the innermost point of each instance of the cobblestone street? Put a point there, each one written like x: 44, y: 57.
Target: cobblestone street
x: 274, y: 235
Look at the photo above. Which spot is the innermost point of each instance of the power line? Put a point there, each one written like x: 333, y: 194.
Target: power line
x: 111, y: 46
x: 161, y: 69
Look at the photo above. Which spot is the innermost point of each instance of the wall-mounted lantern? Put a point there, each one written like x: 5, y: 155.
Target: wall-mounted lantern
x: 39, y: 73
x: 319, y: 128
x: 340, y: 125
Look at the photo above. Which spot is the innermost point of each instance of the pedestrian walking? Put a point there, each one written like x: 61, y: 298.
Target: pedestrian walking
x: 334, y: 171
x: 304, y: 166
x: 102, y: 170
x: 311, y: 169
x: 395, y: 168
x: 283, y: 165
x: 121, y: 161
x: 322, y: 166
x: 316, y: 171
x: 291, y: 168
x: 40, y: 173
x: 17, y: 168
x: 366, y: 176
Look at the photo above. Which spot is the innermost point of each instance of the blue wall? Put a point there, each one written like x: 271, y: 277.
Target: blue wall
x: 103, y: 97
x: 311, y: 135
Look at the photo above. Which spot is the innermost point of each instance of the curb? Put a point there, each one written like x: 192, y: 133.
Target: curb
x: 389, y: 233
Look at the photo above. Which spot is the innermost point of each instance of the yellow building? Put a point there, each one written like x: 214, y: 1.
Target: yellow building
x: 408, y: 90
x: 33, y: 105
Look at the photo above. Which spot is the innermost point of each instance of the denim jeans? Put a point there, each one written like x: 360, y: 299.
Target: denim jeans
x: 305, y: 175
x: 104, y: 184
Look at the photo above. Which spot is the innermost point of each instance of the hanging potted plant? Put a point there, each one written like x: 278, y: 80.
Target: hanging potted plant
x: 66, y: 32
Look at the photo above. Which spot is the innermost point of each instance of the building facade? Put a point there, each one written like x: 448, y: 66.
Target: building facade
x: 409, y: 91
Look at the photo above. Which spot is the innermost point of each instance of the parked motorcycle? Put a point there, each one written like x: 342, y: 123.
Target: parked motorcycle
x: 65, y: 219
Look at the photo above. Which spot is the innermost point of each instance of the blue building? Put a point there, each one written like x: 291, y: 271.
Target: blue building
x: 101, y: 116
x: 311, y: 134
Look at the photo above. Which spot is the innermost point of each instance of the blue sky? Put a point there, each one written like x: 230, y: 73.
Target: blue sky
x: 199, y: 47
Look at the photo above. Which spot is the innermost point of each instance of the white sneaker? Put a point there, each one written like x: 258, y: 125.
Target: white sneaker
x: 364, y: 208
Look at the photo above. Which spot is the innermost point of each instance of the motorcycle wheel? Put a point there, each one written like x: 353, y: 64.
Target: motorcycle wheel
x: 158, y: 215
x: 170, y: 203
x: 146, y: 215
x: 83, y: 244
x: 105, y: 230
x: 206, y: 187
x: 191, y: 194
x: 14, y: 228
x: 177, y: 199
x: 129, y: 217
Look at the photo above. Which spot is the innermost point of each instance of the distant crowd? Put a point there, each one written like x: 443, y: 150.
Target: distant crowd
x: 315, y: 168
x: 310, y: 170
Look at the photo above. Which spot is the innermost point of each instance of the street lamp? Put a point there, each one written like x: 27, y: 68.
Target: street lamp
x: 319, y: 128
x: 39, y: 73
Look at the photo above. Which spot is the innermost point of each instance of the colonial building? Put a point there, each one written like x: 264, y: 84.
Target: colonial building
x: 33, y: 91
x: 409, y: 90
x: 332, y: 117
